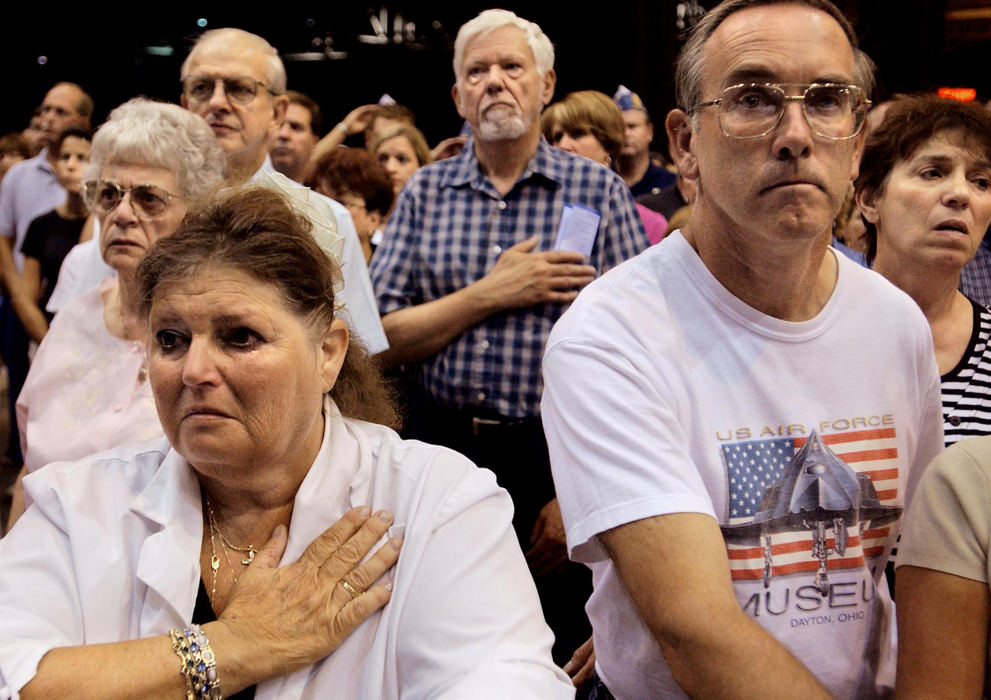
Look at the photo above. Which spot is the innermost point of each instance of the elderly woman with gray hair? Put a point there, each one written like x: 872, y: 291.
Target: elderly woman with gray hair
x: 87, y: 389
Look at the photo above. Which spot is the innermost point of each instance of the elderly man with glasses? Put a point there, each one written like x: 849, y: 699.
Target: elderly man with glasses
x: 236, y: 81
x: 738, y: 417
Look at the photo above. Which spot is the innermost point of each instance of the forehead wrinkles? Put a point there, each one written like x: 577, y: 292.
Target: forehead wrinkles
x: 780, y: 43
x: 229, y: 60
x: 66, y: 98
x: 500, y: 43
x: 950, y: 145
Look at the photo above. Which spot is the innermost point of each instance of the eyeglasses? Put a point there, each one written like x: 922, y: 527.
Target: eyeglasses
x: 752, y: 110
x: 352, y: 203
x: 148, y: 201
x: 199, y: 88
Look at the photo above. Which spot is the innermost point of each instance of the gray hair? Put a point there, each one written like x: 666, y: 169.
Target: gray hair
x: 145, y: 132
x: 276, y: 70
x: 490, y: 20
x: 691, y: 61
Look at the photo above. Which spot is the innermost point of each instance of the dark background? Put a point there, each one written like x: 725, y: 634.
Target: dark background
x: 599, y: 45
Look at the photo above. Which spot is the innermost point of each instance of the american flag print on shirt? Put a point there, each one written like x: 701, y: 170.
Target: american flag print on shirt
x: 755, y: 465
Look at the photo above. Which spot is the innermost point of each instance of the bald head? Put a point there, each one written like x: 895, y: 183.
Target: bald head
x: 65, y: 105
x: 253, y: 49
x: 235, y: 80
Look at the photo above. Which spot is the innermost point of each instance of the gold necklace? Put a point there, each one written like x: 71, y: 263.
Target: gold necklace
x: 214, y: 559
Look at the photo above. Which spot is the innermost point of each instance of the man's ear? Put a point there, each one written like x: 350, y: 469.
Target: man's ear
x: 550, y: 81
x: 457, y: 100
x: 858, y: 152
x: 680, y: 142
x: 280, y: 104
x: 182, y: 101
x: 867, y: 203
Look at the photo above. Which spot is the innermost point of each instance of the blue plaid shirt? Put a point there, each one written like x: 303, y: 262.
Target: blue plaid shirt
x: 449, y: 226
x: 975, y: 279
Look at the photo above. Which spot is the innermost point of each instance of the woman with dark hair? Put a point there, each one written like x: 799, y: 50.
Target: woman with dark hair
x: 924, y: 190
x: 241, y: 550
x: 355, y: 178
x: 589, y: 124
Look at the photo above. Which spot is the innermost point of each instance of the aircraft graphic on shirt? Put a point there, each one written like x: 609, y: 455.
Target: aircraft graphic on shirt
x: 801, y: 494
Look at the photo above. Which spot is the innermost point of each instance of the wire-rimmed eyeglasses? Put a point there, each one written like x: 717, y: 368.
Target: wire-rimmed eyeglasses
x: 751, y: 110
x: 148, y: 201
x: 199, y: 88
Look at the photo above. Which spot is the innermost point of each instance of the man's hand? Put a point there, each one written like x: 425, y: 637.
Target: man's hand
x: 522, y: 277
x: 549, y: 549
x: 519, y: 278
x: 358, y: 119
x: 448, y: 148
x: 581, y: 667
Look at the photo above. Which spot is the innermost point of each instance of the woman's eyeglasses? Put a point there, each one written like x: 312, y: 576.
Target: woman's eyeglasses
x: 148, y: 201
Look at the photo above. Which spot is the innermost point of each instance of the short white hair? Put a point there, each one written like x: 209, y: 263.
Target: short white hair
x: 276, y: 70
x: 490, y: 20
x: 159, y: 134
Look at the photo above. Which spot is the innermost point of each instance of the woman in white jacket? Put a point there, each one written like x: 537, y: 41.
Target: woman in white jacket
x: 258, y: 546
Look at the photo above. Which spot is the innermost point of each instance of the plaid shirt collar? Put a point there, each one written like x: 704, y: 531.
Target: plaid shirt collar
x: 546, y: 164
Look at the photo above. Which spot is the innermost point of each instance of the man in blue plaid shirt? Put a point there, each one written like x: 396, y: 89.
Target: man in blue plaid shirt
x: 475, y: 268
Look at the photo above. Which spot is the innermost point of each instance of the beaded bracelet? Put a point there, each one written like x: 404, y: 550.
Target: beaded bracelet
x: 197, y: 663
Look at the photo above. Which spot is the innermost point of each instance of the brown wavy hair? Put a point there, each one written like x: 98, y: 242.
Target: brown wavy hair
x: 587, y: 112
x: 256, y: 231
x: 908, y: 124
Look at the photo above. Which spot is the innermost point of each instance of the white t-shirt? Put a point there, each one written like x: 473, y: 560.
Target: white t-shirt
x: 82, y: 269
x: 109, y: 551
x: 667, y: 394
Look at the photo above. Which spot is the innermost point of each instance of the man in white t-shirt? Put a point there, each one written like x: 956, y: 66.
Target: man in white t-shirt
x: 737, y: 417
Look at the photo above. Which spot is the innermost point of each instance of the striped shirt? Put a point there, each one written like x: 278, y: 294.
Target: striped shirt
x: 966, y: 388
x: 448, y: 229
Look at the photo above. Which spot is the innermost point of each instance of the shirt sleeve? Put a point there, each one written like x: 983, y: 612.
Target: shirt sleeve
x: 38, y: 596
x: 622, y: 235
x: 471, y: 625
x: 929, y: 440
x: 357, y: 295
x: 947, y: 526
x: 8, y: 217
x: 393, y: 263
x: 618, y: 451
x: 34, y: 240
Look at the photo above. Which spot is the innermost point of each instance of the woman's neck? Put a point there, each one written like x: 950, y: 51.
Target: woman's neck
x: 933, y: 290
x: 120, y: 311
x: 73, y: 207
x: 249, y: 494
x: 950, y: 314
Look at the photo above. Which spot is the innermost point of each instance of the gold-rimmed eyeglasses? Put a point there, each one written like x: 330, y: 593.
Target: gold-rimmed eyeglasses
x: 751, y: 110
x: 148, y: 201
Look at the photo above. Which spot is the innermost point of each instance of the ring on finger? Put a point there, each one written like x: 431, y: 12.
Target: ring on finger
x: 351, y: 590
